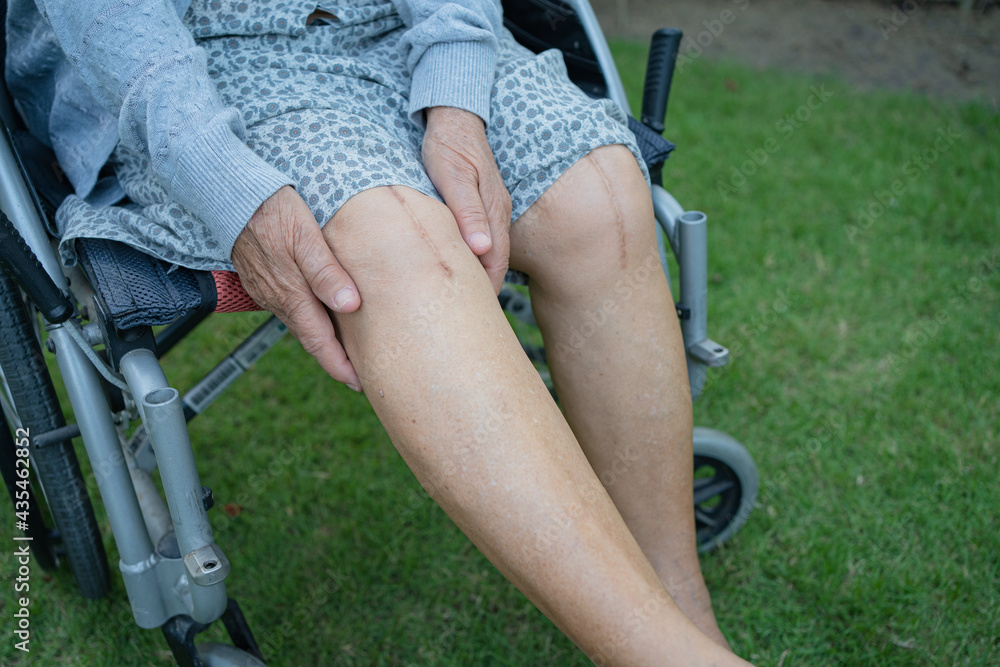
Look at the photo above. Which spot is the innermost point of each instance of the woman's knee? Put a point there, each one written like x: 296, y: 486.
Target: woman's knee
x: 598, y: 214
x: 404, y: 252
x: 419, y: 282
x: 393, y: 236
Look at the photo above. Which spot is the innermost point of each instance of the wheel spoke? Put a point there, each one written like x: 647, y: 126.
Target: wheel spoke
x: 715, y: 487
x: 701, y: 482
x: 703, y: 517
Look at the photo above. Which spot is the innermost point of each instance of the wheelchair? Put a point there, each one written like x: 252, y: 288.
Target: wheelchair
x: 99, y: 321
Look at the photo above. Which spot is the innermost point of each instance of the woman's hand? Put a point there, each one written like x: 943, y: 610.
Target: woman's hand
x: 287, y: 268
x: 462, y: 168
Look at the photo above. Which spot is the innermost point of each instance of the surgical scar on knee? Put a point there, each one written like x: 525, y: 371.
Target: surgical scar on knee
x: 614, y: 205
x: 422, y: 230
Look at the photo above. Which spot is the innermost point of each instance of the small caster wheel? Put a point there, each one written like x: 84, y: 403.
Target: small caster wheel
x: 725, y: 487
x: 214, y: 654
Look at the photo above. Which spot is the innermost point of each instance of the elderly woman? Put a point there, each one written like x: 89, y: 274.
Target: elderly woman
x: 371, y: 169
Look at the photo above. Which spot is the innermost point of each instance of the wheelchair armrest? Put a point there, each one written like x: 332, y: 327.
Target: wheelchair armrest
x: 17, y: 258
x: 655, y: 149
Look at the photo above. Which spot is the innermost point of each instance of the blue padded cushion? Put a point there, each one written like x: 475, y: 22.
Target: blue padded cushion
x: 137, y: 289
x: 655, y: 149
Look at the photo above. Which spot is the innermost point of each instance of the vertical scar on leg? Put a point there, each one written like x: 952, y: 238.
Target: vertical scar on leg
x: 421, y: 229
x: 614, y: 204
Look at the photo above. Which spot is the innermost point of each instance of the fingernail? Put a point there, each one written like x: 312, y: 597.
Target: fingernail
x: 354, y: 387
x: 478, y: 240
x: 344, y: 297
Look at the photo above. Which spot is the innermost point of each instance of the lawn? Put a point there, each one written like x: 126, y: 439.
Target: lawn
x: 855, y: 274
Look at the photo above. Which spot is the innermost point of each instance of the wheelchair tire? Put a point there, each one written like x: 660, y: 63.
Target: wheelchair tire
x: 30, y: 394
x: 725, y: 487
x: 214, y: 654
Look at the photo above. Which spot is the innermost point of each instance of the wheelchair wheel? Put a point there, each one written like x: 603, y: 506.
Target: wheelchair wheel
x: 29, y: 398
x: 725, y: 487
x: 214, y: 654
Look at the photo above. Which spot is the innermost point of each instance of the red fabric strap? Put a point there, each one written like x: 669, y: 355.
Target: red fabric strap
x: 230, y: 295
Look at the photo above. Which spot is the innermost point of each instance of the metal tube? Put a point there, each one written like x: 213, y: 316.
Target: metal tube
x: 661, y: 247
x: 154, y: 510
x: 160, y: 406
x: 138, y: 563
x: 167, y: 430
x: 616, y: 91
x: 107, y: 459
x: 164, y: 420
x: 693, y: 239
x: 143, y: 374
x: 168, y: 433
x: 19, y: 204
x: 667, y: 210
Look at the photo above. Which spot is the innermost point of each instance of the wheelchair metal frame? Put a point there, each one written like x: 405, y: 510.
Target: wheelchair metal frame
x: 189, y: 583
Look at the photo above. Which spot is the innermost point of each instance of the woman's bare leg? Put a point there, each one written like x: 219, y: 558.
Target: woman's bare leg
x: 616, y: 356
x: 471, y: 418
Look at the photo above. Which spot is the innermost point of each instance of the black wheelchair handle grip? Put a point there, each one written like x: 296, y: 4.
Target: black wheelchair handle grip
x: 659, y: 74
x: 20, y: 262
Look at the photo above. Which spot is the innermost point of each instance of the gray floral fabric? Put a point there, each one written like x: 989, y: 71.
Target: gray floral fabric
x: 327, y: 104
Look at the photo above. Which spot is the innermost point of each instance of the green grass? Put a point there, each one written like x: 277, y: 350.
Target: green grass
x: 864, y: 380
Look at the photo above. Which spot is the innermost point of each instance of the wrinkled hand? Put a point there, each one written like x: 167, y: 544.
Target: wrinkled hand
x: 462, y: 168
x: 286, y: 266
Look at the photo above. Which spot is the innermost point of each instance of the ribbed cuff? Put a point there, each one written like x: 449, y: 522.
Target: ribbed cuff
x: 224, y: 182
x: 456, y: 74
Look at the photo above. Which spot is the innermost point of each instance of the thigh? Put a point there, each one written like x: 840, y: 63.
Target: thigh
x: 331, y: 155
x: 541, y: 123
x: 325, y: 105
x: 328, y: 107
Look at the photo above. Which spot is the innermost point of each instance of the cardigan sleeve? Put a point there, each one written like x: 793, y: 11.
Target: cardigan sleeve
x: 451, y: 52
x: 142, y: 65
